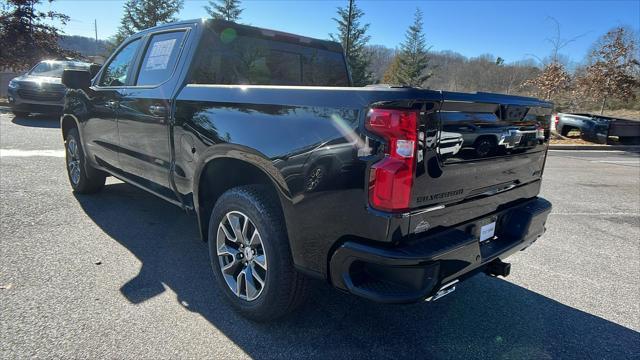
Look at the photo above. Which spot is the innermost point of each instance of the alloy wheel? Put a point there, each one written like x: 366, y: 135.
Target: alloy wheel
x: 73, y: 161
x: 241, y: 254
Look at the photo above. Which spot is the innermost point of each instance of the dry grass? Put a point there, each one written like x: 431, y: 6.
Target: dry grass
x: 571, y: 141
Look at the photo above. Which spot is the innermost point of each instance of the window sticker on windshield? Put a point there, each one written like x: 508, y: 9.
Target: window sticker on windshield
x: 160, y: 54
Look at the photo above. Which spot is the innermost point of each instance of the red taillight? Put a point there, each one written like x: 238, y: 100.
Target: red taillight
x: 556, y: 119
x: 391, y: 178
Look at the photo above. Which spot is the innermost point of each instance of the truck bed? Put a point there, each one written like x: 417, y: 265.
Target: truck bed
x: 293, y: 131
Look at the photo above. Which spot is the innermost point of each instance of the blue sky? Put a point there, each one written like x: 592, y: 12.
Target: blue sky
x: 510, y: 29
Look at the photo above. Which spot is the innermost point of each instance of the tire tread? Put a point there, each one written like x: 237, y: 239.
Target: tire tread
x: 293, y: 286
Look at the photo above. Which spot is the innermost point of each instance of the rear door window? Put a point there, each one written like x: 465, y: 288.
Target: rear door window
x: 117, y: 71
x: 160, y: 58
x: 246, y: 60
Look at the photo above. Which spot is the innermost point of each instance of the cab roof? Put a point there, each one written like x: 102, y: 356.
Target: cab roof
x: 220, y: 25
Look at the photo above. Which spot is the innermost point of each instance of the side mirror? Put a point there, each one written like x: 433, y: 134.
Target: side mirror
x: 76, y: 79
x: 93, y: 69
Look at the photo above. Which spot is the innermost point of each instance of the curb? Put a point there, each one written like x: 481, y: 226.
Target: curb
x: 595, y: 147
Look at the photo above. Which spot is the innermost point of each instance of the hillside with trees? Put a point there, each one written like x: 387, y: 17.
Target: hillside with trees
x: 85, y: 46
x: 607, y: 78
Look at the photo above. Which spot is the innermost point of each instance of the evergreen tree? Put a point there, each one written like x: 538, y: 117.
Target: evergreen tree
x: 414, y: 60
x: 224, y: 9
x: 353, y: 36
x: 143, y: 14
x: 28, y: 35
x: 391, y: 74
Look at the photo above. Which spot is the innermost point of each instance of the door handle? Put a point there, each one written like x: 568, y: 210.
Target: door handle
x: 157, y: 110
x: 111, y: 104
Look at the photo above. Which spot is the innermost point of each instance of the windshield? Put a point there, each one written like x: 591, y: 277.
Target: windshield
x: 55, y: 68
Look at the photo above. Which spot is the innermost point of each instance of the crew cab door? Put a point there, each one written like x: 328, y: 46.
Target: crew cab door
x: 100, y: 130
x: 145, y: 112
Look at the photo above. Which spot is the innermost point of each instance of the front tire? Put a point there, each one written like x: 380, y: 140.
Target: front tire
x: 83, y: 178
x: 250, y: 254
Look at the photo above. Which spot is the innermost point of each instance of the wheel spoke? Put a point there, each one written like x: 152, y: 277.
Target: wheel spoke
x: 261, y: 260
x: 245, y: 227
x: 230, y: 267
x: 224, y: 252
x: 222, y: 228
x: 227, y: 250
x: 256, y: 275
x: 250, y: 286
x: 255, y: 239
x: 234, y: 221
x: 239, y: 279
x: 73, y: 149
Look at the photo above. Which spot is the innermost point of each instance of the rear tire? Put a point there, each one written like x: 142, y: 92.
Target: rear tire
x: 83, y: 178
x: 277, y: 288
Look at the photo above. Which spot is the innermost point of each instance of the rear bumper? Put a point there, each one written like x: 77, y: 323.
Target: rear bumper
x: 416, y: 268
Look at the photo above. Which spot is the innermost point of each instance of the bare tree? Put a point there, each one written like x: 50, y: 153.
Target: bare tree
x: 554, y: 78
x: 557, y: 42
x: 612, y: 70
x: 381, y: 58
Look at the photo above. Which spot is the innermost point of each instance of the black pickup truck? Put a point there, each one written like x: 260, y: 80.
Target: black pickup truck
x: 293, y: 173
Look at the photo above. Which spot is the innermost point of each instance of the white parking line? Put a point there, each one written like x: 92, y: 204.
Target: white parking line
x: 29, y: 153
x: 596, y: 214
x: 587, y: 151
x: 619, y: 161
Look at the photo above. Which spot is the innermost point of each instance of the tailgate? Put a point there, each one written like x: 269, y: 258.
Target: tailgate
x: 624, y: 128
x: 477, y: 146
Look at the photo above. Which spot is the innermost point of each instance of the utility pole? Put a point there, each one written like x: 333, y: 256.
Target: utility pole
x: 349, y: 29
x: 95, y: 28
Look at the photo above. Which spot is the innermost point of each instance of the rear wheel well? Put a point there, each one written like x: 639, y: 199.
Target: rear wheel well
x: 566, y: 129
x: 220, y: 175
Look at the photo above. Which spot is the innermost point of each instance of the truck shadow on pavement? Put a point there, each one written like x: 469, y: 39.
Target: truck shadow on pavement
x: 38, y: 120
x: 485, y: 318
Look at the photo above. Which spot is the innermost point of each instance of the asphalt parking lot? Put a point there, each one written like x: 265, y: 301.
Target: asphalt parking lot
x: 122, y: 274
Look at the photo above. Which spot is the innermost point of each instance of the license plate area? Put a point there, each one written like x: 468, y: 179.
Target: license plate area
x: 485, y: 229
x: 493, y: 234
x: 487, y: 232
